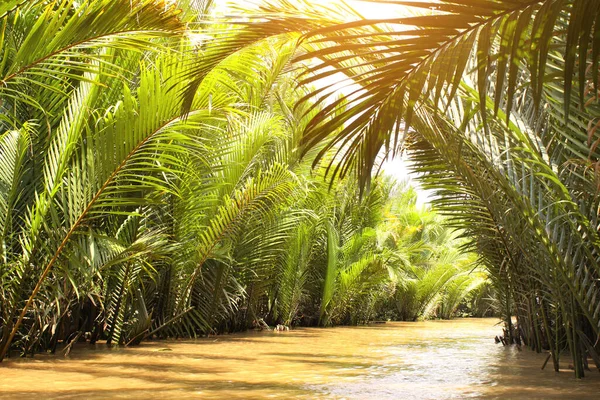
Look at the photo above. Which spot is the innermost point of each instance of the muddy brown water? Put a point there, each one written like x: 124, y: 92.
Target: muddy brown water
x: 401, y: 360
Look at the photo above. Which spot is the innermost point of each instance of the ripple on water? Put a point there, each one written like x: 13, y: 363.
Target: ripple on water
x: 413, y: 360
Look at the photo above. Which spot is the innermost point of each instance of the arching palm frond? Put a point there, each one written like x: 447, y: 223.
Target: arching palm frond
x: 395, y: 64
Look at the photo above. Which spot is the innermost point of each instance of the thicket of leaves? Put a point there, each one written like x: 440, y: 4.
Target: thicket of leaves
x: 151, y: 185
x: 496, y: 102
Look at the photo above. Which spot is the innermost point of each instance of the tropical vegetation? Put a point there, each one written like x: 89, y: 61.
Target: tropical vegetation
x: 496, y: 103
x: 152, y: 186
x: 162, y: 171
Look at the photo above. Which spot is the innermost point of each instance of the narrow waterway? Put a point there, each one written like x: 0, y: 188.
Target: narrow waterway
x: 422, y: 360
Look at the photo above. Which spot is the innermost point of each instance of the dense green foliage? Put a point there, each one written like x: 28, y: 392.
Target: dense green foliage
x: 151, y: 186
x: 496, y: 101
x: 155, y: 168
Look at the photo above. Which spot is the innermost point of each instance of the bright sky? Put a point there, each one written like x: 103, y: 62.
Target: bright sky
x: 371, y: 10
x: 367, y: 9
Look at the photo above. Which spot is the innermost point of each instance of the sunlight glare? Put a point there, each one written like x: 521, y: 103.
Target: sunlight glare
x: 365, y: 9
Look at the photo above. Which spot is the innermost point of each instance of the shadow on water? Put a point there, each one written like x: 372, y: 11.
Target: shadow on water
x: 246, y: 390
x: 415, y: 360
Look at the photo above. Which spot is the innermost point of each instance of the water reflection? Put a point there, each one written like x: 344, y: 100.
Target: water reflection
x: 423, y: 360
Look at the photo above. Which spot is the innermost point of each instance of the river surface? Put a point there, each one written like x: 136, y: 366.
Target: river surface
x: 400, y: 360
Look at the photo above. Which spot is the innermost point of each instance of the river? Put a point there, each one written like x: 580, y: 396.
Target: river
x: 400, y: 360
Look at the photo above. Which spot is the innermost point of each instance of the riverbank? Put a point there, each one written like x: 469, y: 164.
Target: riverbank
x: 416, y: 360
